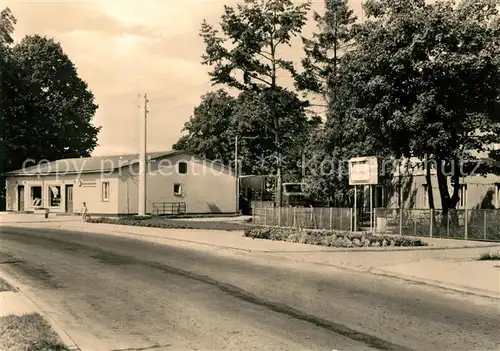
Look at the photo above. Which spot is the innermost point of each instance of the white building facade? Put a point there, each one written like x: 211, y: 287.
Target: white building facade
x: 175, y: 181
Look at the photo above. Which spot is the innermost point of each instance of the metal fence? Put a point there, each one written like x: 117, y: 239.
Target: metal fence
x: 171, y: 208
x: 303, y: 217
x: 469, y: 224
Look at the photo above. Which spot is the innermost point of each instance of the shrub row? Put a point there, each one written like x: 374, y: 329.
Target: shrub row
x: 161, y: 222
x: 331, y: 238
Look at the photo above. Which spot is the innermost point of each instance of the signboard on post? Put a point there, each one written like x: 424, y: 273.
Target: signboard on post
x: 363, y: 171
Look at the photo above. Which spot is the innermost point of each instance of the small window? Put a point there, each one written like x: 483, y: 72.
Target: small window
x: 36, y: 196
x: 177, y: 189
x: 293, y: 188
x: 182, y: 167
x: 463, y: 195
x: 55, y: 196
x: 105, y: 191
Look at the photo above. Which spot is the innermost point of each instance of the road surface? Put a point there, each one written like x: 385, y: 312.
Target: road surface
x: 113, y: 293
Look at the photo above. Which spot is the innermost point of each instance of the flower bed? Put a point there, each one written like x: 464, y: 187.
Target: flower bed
x: 331, y: 238
x: 162, y: 222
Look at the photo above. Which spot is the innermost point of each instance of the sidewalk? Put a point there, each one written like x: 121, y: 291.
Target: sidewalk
x: 15, y: 302
x: 474, y: 277
x: 445, y: 263
x: 8, y: 218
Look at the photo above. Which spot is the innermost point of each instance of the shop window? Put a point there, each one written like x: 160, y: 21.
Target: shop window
x: 36, y: 196
x: 55, y: 196
x: 105, y: 191
x: 182, y: 167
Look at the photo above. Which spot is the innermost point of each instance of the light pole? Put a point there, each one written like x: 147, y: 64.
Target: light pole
x: 237, y: 174
x: 142, y: 156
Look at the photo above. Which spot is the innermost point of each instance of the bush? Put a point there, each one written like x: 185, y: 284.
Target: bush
x: 330, y: 238
x: 490, y: 256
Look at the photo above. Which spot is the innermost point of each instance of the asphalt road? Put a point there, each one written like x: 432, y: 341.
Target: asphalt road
x: 112, y: 293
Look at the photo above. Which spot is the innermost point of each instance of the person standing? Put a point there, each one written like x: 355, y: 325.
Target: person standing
x: 85, y: 212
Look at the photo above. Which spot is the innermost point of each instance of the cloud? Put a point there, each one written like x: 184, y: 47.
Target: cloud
x: 178, y: 16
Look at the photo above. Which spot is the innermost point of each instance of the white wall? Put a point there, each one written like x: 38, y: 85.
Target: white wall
x: 90, y: 192
x: 206, y: 188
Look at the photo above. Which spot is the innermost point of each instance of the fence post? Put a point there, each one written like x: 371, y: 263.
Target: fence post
x: 278, y: 213
x: 485, y: 227
x: 331, y: 212
x: 341, y: 214
x: 431, y: 229
x: 351, y: 217
x: 400, y: 221
x: 312, y: 217
x: 320, y: 218
x: 466, y: 219
x: 265, y: 215
x: 448, y: 224
x: 294, y: 218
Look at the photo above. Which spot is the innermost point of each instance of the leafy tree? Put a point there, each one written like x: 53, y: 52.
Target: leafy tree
x: 432, y: 89
x: 8, y: 77
x: 323, y: 52
x: 46, y: 108
x: 246, y: 55
x: 7, y: 23
x: 253, y: 117
x: 210, y: 131
x: 220, y: 117
x: 328, y: 147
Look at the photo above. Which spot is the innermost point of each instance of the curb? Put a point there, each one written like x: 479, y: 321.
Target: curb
x: 434, y: 283
x: 326, y: 249
x: 21, y: 289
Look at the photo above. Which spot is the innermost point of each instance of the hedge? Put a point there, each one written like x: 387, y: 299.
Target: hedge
x: 161, y: 222
x: 331, y: 238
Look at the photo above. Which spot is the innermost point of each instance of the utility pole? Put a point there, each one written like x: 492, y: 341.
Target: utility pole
x: 143, y: 112
x: 236, y: 171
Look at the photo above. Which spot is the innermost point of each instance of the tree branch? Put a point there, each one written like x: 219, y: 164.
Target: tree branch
x: 264, y: 56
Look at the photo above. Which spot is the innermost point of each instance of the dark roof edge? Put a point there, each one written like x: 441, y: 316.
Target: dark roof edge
x: 21, y: 172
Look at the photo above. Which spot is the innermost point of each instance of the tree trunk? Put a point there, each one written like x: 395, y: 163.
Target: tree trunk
x: 447, y: 203
x: 430, y: 195
x: 277, y: 136
x: 428, y: 180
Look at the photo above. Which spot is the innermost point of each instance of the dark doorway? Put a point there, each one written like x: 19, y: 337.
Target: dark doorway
x: 69, y: 198
x: 20, y: 198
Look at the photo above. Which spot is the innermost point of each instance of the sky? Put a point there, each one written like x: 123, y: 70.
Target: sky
x: 124, y: 48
